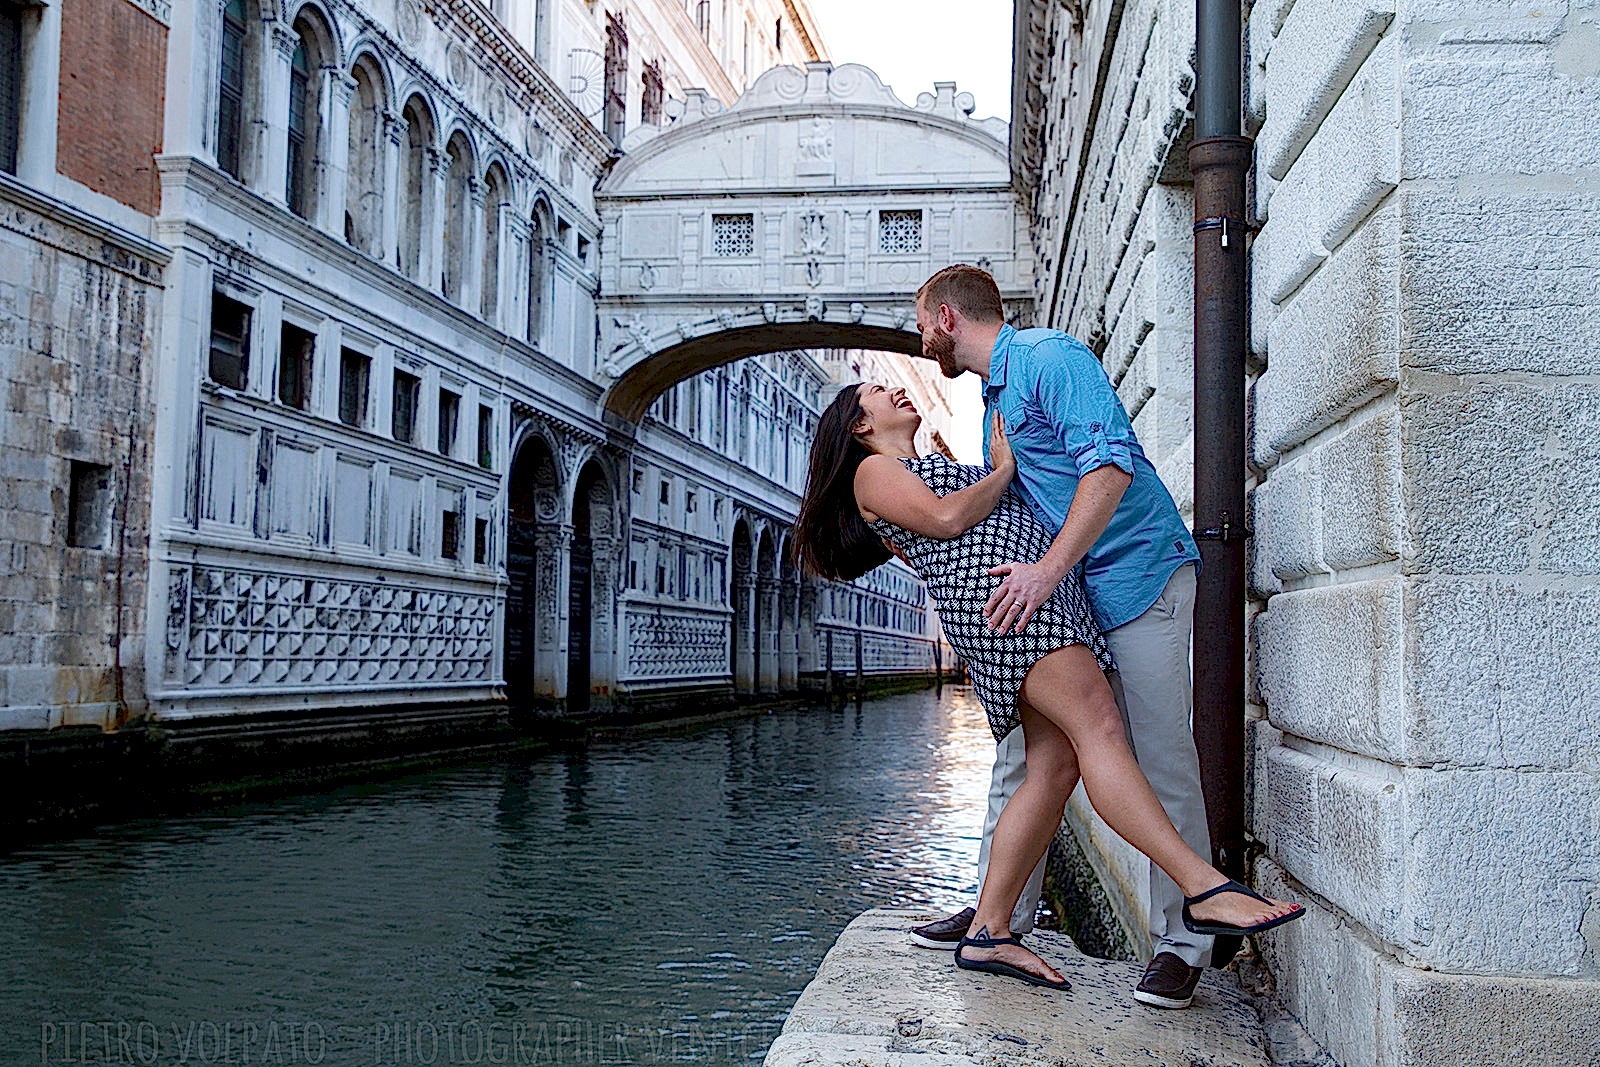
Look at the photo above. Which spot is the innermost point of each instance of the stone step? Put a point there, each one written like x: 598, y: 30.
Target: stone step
x: 880, y: 1001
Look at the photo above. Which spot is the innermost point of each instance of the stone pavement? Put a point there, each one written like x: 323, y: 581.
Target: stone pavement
x: 880, y: 1001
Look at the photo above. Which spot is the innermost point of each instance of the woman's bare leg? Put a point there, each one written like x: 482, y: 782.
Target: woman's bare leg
x: 1068, y: 688
x: 1030, y: 819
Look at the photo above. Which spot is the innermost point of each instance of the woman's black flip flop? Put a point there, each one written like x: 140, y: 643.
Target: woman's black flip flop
x: 1201, y: 926
x: 996, y: 967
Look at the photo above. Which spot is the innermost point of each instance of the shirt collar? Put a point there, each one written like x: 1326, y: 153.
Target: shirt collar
x: 997, y: 361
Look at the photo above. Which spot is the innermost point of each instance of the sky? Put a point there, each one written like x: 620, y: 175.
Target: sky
x: 911, y: 44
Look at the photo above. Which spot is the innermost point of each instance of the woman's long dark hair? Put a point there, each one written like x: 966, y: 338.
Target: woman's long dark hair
x: 831, y: 538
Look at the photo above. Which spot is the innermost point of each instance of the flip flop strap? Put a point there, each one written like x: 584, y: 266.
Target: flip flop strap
x: 1230, y: 886
x: 989, y: 942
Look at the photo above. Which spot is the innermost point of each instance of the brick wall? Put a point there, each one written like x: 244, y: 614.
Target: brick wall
x: 113, y: 78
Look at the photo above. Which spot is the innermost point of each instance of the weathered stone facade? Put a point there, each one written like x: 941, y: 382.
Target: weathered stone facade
x: 1424, y: 298
x: 78, y: 333
x: 341, y: 391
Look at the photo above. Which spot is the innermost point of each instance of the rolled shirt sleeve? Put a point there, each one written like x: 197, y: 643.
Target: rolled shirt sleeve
x: 1077, y: 401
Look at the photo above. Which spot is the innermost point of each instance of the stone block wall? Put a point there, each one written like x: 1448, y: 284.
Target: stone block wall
x: 79, y: 304
x: 1112, y: 215
x: 1425, y: 308
x: 1425, y: 303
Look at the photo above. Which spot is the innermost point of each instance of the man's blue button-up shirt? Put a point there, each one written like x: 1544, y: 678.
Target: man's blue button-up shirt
x: 1064, y: 420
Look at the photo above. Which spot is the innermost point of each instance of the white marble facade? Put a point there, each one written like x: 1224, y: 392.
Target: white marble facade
x: 384, y: 471
x: 1422, y: 572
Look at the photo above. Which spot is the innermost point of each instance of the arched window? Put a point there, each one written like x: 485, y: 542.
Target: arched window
x: 538, y: 237
x: 233, y: 76
x: 494, y: 200
x: 304, y: 122
x: 364, y: 176
x: 457, y: 215
x: 414, y: 187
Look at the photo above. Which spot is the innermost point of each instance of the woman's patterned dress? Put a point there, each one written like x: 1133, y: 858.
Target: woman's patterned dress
x: 956, y: 572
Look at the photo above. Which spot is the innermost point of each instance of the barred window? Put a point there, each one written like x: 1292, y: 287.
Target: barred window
x: 899, y: 231
x: 735, y: 235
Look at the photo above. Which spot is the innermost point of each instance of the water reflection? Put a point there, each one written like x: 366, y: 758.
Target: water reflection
x: 660, y: 899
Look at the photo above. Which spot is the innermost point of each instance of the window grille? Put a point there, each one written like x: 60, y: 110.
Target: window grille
x: 733, y: 235
x: 899, y: 231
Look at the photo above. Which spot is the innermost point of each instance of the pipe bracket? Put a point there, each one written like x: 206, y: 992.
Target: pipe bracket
x: 1226, y: 224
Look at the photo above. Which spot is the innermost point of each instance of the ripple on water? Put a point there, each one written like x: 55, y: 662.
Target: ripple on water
x: 620, y: 894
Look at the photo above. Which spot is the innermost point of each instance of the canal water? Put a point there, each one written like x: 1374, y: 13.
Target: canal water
x: 648, y: 900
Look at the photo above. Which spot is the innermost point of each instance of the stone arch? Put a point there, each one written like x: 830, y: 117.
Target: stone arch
x: 369, y: 141
x: 496, y: 203
x: 416, y: 186
x: 535, y: 582
x: 315, y: 57
x: 804, y: 215
x: 324, y: 25
x: 460, y: 165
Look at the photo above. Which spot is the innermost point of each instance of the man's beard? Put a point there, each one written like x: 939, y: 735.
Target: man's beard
x: 941, y: 346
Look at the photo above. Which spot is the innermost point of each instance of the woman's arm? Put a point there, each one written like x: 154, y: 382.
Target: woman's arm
x: 886, y: 489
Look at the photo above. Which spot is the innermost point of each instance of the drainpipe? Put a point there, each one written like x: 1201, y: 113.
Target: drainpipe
x: 1219, y: 158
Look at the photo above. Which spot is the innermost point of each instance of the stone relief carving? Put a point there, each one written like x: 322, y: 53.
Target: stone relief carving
x: 814, y: 308
x: 637, y: 330
x: 813, y: 272
x: 409, y: 18
x: 459, y: 66
x: 858, y: 311
x: 813, y: 233
x: 769, y: 311
x: 899, y: 317
x: 726, y: 318
x: 647, y: 277
x: 816, y: 143
x: 255, y: 628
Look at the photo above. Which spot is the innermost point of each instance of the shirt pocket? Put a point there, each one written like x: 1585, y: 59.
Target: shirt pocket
x: 1025, y: 426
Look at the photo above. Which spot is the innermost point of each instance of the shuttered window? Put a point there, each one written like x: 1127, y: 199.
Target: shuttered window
x: 10, y: 83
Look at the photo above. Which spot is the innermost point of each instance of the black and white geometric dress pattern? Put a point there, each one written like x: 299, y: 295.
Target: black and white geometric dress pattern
x: 956, y: 572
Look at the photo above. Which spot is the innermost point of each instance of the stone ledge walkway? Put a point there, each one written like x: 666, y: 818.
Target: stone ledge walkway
x: 880, y: 1001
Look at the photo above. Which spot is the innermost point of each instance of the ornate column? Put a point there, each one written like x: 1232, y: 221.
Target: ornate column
x: 513, y: 235
x: 275, y: 78
x: 393, y: 192
x: 767, y: 604
x: 789, y: 636
x: 553, y: 560
x: 334, y: 164
x: 472, y: 247
x: 744, y: 619
x: 432, y: 236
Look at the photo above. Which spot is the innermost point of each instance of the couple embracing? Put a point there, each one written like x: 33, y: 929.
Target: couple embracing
x: 1064, y: 577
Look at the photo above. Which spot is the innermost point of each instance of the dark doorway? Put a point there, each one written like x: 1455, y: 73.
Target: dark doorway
x: 532, y: 511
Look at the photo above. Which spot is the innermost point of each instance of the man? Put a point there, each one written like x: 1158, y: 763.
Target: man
x: 1082, y: 472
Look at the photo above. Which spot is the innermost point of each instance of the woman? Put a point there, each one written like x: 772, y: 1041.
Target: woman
x: 869, y: 491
